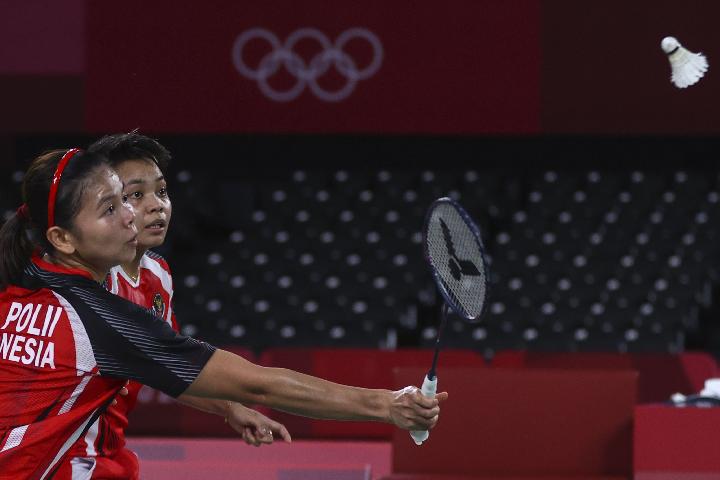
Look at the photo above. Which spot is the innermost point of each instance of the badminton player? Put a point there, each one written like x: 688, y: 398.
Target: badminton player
x: 140, y: 163
x: 67, y: 345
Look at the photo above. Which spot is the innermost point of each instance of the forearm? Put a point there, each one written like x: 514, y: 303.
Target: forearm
x: 209, y: 405
x: 230, y: 377
x: 301, y: 394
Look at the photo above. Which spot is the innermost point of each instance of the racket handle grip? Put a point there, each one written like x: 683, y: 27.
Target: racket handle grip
x: 429, y: 389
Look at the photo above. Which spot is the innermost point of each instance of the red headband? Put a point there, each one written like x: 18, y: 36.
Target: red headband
x: 56, y: 183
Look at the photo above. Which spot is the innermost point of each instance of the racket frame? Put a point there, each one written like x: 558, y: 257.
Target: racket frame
x: 446, y: 294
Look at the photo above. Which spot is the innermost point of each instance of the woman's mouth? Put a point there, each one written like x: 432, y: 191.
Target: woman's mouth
x: 157, y: 225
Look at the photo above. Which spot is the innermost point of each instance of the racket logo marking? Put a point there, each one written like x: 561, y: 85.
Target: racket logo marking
x: 458, y: 267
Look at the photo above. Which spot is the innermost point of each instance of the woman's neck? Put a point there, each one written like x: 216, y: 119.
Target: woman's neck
x: 72, y: 262
x: 132, y: 268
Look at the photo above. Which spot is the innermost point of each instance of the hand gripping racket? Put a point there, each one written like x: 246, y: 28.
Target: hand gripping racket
x: 456, y: 255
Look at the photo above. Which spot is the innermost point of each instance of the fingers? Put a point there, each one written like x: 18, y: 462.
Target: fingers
x: 412, y: 410
x: 123, y: 391
x: 256, y: 429
x: 441, y: 397
x: 257, y: 437
x: 428, y: 414
x: 248, y: 435
x: 423, y: 417
x: 265, y: 435
x: 282, y: 432
x: 423, y: 401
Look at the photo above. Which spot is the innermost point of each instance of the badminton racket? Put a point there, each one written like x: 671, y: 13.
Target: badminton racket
x: 456, y: 256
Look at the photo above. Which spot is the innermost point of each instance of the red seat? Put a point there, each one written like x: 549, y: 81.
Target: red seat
x: 525, y: 424
x: 661, y: 374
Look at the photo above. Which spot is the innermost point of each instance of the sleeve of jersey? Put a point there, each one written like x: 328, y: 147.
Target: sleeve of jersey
x: 173, y: 317
x: 130, y: 342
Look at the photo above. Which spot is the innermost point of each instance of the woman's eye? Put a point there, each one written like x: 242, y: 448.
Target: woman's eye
x: 163, y: 192
x: 124, y: 198
x: 136, y: 195
x: 110, y: 210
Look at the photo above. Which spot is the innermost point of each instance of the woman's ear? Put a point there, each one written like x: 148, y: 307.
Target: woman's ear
x: 61, y: 240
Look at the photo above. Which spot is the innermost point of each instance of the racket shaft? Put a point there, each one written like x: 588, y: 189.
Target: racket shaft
x: 429, y: 389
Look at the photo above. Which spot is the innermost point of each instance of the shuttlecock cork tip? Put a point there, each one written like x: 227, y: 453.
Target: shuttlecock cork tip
x: 669, y: 44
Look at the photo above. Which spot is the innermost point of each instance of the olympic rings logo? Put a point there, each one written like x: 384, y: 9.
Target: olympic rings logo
x: 307, y: 74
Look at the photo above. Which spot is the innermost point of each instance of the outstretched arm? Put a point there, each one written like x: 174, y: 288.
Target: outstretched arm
x: 228, y: 376
x: 177, y: 365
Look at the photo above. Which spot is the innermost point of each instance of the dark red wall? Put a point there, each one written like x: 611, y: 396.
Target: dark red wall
x: 604, y: 72
x: 442, y: 71
x: 460, y: 67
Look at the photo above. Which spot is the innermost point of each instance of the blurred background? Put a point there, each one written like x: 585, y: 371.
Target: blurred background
x: 310, y: 137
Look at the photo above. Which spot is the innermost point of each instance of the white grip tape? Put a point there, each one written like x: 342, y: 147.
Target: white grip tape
x: 429, y: 388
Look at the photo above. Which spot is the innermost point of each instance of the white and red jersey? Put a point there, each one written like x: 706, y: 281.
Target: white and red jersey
x: 153, y: 290
x: 66, y: 347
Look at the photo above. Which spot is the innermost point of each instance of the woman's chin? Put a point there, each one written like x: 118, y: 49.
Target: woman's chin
x: 128, y: 255
x: 146, y: 242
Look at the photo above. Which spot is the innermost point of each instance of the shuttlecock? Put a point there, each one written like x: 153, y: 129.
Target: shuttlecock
x: 687, y: 67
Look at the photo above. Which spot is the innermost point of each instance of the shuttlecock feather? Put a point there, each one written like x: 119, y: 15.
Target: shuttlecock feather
x: 687, y: 67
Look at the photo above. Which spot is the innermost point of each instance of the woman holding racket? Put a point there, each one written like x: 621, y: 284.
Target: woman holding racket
x: 67, y: 345
x: 140, y: 163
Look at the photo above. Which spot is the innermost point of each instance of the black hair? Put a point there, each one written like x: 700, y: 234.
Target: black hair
x: 25, y: 231
x: 121, y: 147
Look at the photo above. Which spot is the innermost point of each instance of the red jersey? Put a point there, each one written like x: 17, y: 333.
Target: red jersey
x: 66, y: 347
x: 153, y: 290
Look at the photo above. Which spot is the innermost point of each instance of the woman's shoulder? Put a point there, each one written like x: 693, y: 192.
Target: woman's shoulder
x: 151, y: 260
x: 16, y: 295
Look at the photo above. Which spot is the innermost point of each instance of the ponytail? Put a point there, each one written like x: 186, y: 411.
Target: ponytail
x: 16, y: 248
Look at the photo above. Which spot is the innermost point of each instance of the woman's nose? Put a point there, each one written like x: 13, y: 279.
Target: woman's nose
x: 128, y: 213
x: 155, y: 205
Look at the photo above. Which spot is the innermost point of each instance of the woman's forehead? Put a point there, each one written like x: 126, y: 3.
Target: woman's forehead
x: 105, y: 181
x: 137, y: 167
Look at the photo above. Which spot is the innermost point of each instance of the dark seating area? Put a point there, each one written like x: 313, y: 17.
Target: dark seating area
x: 609, y: 257
x: 582, y: 261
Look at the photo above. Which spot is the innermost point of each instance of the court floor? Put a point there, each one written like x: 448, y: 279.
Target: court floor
x: 216, y: 459
x: 209, y: 459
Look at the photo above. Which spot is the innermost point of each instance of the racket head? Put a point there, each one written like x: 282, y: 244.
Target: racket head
x: 455, y: 252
